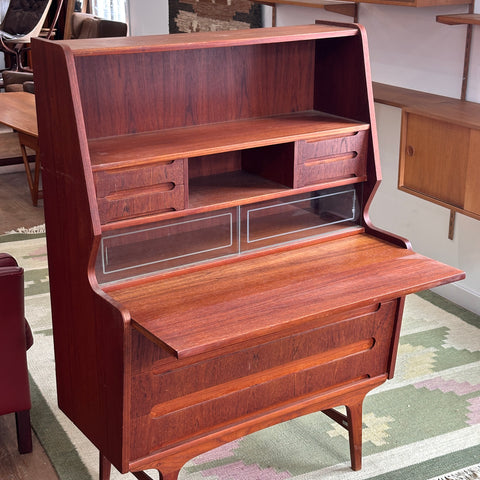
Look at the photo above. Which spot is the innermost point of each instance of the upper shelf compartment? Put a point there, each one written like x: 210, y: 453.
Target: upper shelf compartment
x: 167, y: 117
x: 220, y: 85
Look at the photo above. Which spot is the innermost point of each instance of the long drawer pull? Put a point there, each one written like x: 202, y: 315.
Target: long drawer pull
x: 232, y: 386
x: 330, y: 159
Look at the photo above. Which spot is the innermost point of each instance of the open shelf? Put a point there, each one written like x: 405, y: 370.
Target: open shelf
x: 194, y: 141
x: 232, y: 187
x: 460, y: 19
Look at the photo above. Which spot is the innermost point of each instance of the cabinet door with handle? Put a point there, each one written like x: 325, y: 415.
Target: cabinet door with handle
x: 433, y: 159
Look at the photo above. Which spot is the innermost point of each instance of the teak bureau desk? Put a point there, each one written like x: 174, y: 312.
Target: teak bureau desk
x: 213, y: 268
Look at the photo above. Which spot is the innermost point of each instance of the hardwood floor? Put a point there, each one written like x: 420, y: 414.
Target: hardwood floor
x: 29, y: 466
x: 16, y: 209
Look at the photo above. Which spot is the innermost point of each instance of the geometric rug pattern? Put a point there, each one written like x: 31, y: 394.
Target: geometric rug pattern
x: 422, y: 424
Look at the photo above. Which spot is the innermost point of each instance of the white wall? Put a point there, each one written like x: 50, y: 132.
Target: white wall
x: 410, y: 49
x: 148, y: 17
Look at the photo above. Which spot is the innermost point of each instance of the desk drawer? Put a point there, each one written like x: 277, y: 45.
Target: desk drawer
x: 138, y: 202
x: 138, y: 191
x: 333, y: 158
x: 188, y: 397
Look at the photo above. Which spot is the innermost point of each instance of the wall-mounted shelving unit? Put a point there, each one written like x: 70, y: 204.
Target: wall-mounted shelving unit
x: 439, y: 142
x: 438, y: 130
x: 350, y: 7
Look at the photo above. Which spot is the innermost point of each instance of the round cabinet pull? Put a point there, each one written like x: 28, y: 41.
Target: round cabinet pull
x: 410, y: 151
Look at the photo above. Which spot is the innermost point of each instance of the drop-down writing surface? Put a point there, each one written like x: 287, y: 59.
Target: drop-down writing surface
x: 212, y: 308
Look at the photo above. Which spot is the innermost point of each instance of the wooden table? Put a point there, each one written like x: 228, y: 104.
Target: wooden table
x: 17, y: 111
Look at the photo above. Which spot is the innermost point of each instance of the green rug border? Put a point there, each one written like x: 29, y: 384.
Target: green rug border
x: 435, y: 467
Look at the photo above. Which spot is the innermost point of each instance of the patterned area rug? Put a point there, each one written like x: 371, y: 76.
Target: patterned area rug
x: 186, y: 16
x: 422, y: 425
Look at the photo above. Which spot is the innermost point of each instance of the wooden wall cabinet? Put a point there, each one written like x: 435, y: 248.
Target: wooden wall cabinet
x: 213, y: 268
x: 439, y: 160
x: 439, y: 145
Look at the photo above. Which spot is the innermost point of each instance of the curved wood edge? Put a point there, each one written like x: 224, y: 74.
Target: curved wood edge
x: 374, y: 176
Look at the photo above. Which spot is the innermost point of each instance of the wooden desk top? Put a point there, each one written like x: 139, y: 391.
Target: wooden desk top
x: 17, y: 111
x: 200, y: 311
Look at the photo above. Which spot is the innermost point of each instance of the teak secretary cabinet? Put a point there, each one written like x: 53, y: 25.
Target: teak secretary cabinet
x: 213, y: 268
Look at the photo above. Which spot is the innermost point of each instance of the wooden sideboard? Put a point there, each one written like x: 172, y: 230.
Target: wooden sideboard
x: 212, y: 263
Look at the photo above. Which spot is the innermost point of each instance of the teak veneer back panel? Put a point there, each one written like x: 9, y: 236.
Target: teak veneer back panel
x: 160, y: 90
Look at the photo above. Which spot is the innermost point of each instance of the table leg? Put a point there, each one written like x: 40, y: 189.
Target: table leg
x: 352, y: 422
x: 33, y: 181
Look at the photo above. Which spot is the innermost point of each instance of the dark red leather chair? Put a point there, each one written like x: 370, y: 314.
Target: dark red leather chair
x: 15, y: 339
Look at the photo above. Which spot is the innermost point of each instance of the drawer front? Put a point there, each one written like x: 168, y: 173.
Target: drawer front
x: 138, y: 202
x: 138, y: 191
x: 333, y: 158
x: 199, y: 396
x: 108, y: 182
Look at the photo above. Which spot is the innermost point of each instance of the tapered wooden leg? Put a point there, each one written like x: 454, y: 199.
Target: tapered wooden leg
x: 24, y: 431
x: 105, y: 468
x: 354, y: 420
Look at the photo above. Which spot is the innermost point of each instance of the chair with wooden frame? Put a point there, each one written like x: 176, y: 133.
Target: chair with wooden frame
x: 22, y: 22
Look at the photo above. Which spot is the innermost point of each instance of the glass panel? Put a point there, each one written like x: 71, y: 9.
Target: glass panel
x: 183, y: 241
x: 166, y: 245
x: 297, y: 217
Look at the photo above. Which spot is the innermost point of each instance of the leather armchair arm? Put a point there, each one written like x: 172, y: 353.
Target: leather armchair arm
x: 6, y: 260
x: 12, y: 296
x: 13, y: 338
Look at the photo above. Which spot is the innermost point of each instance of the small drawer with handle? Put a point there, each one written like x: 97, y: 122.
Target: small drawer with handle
x: 331, y: 159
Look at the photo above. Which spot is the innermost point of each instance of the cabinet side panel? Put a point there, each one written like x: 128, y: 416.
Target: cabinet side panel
x: 88, y: 331
x: 153, y: 91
